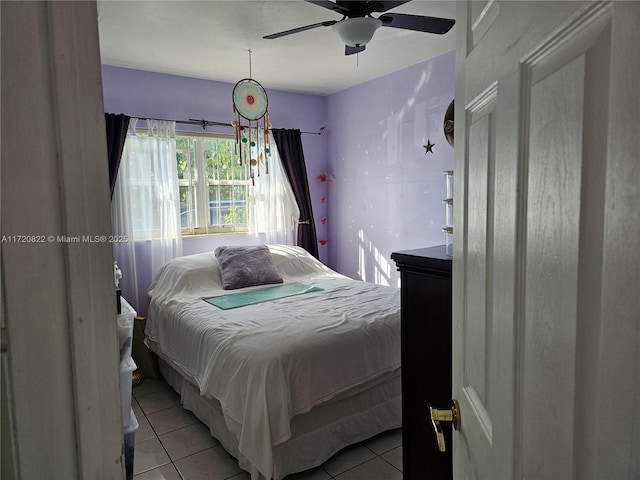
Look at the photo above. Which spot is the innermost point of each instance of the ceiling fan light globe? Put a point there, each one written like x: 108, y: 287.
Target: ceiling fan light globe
x: 357, y: 31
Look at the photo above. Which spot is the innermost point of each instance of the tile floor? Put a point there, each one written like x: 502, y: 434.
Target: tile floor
x: 172, y: 444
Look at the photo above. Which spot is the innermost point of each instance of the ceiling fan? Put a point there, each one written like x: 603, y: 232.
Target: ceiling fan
x: 357, y: 26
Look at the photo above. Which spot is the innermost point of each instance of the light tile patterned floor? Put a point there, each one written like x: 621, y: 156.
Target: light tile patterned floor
x: 172, y: 444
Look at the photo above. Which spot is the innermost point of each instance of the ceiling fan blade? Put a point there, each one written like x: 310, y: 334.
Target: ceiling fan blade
x: 348, y: 50
x: 300, y: 29
x: 330, y: 5
x: 417, y: 22
x: 379, y: 7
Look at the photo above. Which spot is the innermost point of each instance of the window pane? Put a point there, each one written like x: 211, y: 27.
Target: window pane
x: 184, y: 207
x: 188, y: 207
x: 220, y: 166
x: 187, y: 177
x: 240, y: 204
x: 211, y: 158
x: 215, y: 217
x: 240, y: 172
x: 185, y: 153
x: 221, y: 204
x: 228, y: 204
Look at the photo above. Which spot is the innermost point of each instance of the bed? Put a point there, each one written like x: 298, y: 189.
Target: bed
x: 284, y: 383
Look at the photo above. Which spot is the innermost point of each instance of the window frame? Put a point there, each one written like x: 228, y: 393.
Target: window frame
x: 198, y: 185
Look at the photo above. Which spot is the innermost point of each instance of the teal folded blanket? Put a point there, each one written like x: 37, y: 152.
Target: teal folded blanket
x: 241, y: 299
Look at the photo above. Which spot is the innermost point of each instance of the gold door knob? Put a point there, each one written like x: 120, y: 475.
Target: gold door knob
x: 451, y: 415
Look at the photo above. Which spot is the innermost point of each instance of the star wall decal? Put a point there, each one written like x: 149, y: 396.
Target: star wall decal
x: 428, y: 147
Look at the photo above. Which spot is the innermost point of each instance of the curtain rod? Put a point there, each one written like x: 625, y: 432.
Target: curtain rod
x: 204, y: 123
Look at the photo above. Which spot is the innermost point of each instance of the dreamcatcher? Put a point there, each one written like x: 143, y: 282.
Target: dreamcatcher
x: 250, y: 103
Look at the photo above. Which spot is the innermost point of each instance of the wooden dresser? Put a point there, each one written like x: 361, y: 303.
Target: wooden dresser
x: 426, y: 359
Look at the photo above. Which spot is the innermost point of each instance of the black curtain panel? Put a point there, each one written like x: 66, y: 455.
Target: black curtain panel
x: 117, y: 125
x: 289, y: 143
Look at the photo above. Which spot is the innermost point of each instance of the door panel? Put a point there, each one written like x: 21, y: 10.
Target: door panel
x: 478, y: 332
x: 552, y: 224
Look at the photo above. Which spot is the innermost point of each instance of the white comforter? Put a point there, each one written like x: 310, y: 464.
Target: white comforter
x: 268, y: 362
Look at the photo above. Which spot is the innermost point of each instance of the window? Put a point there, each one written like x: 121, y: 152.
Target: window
x: 213, y: 185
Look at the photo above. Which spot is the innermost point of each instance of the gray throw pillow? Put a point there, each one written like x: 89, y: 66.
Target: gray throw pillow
x: 246, y: 266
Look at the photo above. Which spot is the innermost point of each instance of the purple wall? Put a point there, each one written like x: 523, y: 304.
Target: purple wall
x: 142, y: 94
x: 387, y: 193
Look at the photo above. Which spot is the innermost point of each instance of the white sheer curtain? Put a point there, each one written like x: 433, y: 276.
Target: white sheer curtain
x: 273, y: 210
x: 146, y: 209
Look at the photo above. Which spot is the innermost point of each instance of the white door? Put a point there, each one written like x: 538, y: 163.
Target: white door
x: 546, y: 266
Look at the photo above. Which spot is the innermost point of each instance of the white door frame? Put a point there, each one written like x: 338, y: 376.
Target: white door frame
x: 59, y: 301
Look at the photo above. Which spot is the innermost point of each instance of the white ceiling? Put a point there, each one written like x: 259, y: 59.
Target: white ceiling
x: 211, y: 40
